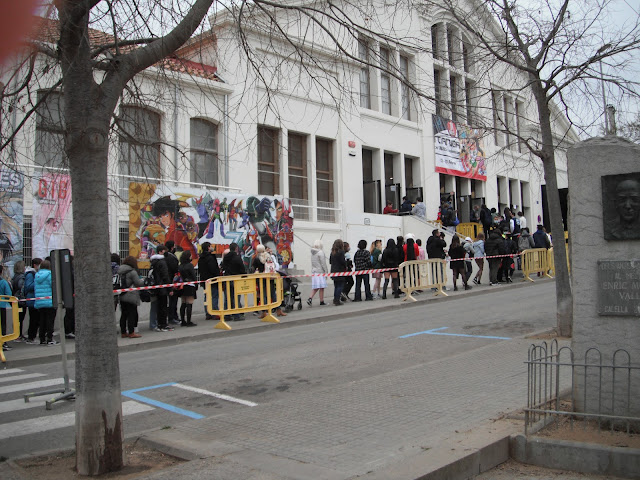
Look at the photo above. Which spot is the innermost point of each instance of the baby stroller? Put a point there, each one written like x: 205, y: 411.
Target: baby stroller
x: 290, y: 287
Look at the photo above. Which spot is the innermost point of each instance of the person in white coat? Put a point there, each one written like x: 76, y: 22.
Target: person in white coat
x: 318, y: 265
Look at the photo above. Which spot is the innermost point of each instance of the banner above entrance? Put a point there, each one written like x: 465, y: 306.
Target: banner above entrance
x: 458, y: 149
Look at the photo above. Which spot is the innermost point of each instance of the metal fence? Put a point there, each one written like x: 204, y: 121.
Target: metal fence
x: 599, y: 391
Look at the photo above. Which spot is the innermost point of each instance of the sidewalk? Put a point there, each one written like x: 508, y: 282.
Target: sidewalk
x: 26, y: 354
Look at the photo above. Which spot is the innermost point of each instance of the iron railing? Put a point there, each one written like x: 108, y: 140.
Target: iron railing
x: 605, y: 388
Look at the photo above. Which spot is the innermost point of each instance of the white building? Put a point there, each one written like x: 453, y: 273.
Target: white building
x: 337, y: 130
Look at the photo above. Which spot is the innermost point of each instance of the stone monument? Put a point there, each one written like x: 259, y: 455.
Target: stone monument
x: 604, y: 243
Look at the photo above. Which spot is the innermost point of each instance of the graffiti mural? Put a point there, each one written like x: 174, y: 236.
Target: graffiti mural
x: 52, y: 225
x: 190, y: 217
x: 11, y: 217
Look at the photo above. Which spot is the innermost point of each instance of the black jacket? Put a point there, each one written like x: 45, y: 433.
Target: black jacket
x: 435, y: 247
x: 494, y: 244
x: 208, y: 266
x: 172, y: 263
x: 338, y: 262
x: 541, y: 240
x: 232, y: 264
x: 390, y: 257
x: 160, y: 273
x: 187, y: 272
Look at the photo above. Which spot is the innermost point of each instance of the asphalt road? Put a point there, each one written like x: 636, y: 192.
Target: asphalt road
x: 215, y: 377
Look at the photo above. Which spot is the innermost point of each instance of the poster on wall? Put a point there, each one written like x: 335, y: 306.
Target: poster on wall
x: 190, y: 217
x: 458, y: 149
x: 11, y: 217
x: 52, y: 223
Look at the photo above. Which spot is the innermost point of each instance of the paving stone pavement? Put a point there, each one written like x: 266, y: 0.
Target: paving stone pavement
x: 368, y: 424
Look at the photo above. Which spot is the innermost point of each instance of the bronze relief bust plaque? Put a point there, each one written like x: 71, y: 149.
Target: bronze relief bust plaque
x: 621, y: 206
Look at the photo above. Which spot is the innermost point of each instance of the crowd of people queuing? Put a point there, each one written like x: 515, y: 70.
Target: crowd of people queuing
x: 507, y: 234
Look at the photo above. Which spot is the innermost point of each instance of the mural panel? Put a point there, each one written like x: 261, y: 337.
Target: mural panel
x: 52, y: 224
x: 458, y: 149
x: 11, y: 217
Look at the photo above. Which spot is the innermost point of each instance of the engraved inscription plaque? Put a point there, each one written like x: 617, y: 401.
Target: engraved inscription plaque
x: 619, y: 287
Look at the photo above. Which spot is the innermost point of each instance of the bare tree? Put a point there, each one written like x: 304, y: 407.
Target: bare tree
x: 93, y: 69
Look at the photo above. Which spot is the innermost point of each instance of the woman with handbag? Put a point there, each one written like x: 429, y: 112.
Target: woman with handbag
x: 188, y: 274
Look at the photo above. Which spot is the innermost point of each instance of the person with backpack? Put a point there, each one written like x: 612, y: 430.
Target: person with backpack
x: 187, y: 274
x: 208, y: 268
x: 43, y: 283
x: 129, y: 301
x: 160, y: 274
x: 362, y: 261
x: 172, y: 263
x: 17, y: 286
x: 30, y: 292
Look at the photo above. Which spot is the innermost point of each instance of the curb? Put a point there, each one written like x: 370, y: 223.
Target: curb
x: 221, y: 334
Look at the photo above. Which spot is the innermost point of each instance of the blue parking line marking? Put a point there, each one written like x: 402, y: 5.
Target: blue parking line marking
x: 436, y: 331
x: 165, y: 406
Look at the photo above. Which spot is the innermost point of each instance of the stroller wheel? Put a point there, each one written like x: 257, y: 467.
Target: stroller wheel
x: 299, y: 305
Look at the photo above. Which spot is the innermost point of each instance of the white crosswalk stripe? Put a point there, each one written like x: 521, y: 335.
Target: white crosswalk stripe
x: 52, y: 422
x: 10, y: 370
x: 31, y: 385
x: 20, y: 404
x: 21, y: 377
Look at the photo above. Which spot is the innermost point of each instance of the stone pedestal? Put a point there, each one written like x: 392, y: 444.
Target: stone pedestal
x: 604, y: 243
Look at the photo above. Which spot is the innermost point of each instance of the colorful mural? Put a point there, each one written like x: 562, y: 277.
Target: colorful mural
x: 11, y: 217
x: 458, y: 149
x: 52, y: 223
x: 190, y: 217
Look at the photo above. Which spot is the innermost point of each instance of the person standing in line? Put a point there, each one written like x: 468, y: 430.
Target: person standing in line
x: 390, y: 259
x: 457, y: 254
x: 468, y: 264
x: 478, y: 253
x: 541, y: 239
x: 422, y: 254
x: 485, y: 218
x: 348, y: 281
x: 436, y: 245
x: 362, y: 260
x: 318, y: 266
x: 129, y: 301
x: 208, y: 268
x: 17, y: 282
x: 232, y: 264
x: 338, y: 264
x: 44, y: 288
x: 188, y: 274
x: 161, y: 277
x: 405, y: 207
x: 523, y: 221
x: 30, y: 292
x: 172, y: 264
x: 115, y: 266
x: 5, y: 290
x: 494, y: 247
x: 376, y: 258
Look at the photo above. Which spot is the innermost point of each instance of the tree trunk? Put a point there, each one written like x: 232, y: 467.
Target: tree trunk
x: 564, y: 295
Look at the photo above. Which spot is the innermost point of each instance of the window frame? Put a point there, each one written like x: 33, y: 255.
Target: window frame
x: 49, y: 143
x: 329, y: 172
x: 298, y: 171
x: 205, y: 152
x: 274, y: 134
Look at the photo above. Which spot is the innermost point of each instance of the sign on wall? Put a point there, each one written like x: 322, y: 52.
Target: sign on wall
x: 190, y: 217
x: 458, y: 149
x: 52, y: 223
x: 11, y: 217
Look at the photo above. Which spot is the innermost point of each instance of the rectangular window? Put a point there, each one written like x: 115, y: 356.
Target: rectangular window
x: 123, y: 239
x: 365, y: 83
x: 297, y: 146
x: 466, y: 57
x: 451, y: 46
x: 506, y: 112
x: 268, y: 161
x: 324, y: 180
x: 468, y: 99
x: 370, y: 187
x: 518, y: 119
x: 50, y: 130
x: 435, y: 41
x: 385, y: 81
x: 497, y: 124
x: 408, y: 172
x: 367, y: 165
x: 405, y: 91
x: 453, y: 88
x: 437, y: 91
x: 204, y: 152
x: 139, y: 139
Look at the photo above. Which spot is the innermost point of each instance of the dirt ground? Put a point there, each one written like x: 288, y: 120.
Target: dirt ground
x: 140, y: 460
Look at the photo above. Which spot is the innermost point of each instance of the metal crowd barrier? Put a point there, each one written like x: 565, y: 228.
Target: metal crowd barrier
x: 15, y: 318
x: 470, y: 229
x: 422, y: 274
x: 536, y: 260
x: 243, y: 292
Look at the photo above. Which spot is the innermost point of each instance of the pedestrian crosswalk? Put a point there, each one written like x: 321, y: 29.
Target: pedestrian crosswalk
x: 19, y: 418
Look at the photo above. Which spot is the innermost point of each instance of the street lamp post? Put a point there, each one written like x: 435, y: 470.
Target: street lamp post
x: 602, y: 49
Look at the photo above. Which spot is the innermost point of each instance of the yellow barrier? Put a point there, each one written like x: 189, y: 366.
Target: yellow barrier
x: 15, y: 311
x: 536, y: 260
x: 232, y: 289
x: 470, y: 229
x: 422, y: 274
